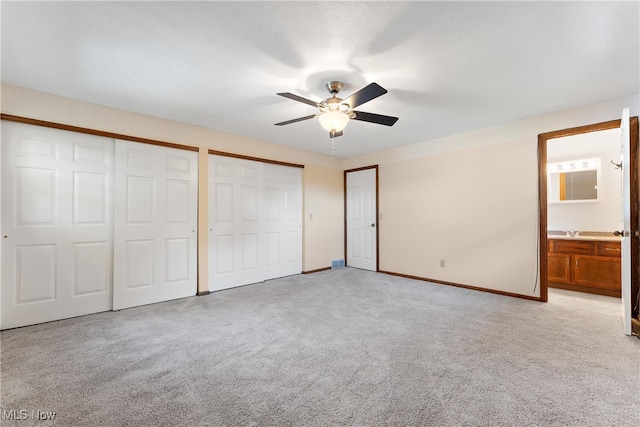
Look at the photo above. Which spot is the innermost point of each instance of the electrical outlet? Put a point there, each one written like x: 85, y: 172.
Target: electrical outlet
x: 441, y: 263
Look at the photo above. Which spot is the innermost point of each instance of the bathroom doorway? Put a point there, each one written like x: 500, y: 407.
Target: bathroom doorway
x: 564, y: 266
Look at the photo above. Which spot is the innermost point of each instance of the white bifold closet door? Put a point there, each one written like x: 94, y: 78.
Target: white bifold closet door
x: 255, y: 221
x: 155, y: 228
x: 89, y: 225
x: 57, y: 190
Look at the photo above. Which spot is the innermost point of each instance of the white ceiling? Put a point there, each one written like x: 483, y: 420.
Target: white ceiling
x: 449, y: 67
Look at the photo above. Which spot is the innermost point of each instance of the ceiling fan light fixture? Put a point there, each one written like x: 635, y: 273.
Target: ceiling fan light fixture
x: 335, y: 113
x: 334, y: 121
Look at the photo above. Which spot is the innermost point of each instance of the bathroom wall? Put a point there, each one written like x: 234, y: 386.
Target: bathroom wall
x: 605, y: 213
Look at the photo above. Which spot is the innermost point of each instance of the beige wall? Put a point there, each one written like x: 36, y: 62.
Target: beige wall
x: 471, y: 200
x: 41, y: 106
x: 323, y: 216
x: 322, y: 185
x: 471, y: 208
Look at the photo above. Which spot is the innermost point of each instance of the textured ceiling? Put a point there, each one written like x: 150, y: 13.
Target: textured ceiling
x: 449, y: 67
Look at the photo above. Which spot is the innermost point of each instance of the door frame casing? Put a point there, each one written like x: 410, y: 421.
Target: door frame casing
x: 634, y: 159
x: 346, y: 236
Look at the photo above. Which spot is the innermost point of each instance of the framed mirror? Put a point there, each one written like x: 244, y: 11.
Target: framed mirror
x: 573, y: 181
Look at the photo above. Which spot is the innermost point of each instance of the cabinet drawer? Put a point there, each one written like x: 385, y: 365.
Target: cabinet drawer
x: 611, y: 249
x: 574, y: 247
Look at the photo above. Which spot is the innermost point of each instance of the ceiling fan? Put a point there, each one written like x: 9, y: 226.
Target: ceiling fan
x: 335, y: 113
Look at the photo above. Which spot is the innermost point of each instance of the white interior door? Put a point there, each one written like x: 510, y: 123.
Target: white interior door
x: 255, y: 221
x: 626, y: 221
x: 155, y: 227
x: 57, y: 188
x: 235, y: 195
x: 282, y: 220
x: 362, y: 219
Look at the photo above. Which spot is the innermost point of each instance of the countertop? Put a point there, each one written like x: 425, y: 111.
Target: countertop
x: 585, y: 235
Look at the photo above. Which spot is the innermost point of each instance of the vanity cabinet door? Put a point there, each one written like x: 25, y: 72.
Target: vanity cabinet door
x: 599, y: 272
x: 559, y: 268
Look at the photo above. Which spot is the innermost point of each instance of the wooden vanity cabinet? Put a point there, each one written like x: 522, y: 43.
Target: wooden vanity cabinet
x: 585, y: 266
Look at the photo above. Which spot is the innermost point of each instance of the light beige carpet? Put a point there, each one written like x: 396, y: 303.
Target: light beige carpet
x: 341, y: 347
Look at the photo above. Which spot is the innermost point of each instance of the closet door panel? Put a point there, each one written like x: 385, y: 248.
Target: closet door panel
x: 155, y: 239
x: 235, y: 243
x: 57, y: 189
x: 255, y: 221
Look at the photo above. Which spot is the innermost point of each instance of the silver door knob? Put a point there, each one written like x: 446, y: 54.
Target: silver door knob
x: 373, y: 225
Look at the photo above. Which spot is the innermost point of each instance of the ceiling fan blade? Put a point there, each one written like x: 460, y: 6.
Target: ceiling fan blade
x: 298, y: 98
x: 335, y: 134
x: 365, y: 94
x: 299, y: 119
x: 375, y: 118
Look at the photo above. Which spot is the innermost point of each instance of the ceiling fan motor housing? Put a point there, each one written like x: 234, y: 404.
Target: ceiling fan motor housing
x: 334, y: 103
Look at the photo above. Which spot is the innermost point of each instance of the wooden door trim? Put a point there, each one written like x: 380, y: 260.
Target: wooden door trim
x: 113, y: 135
x: 255, y: 159
x: 377, y: 215
x: 634, y: 190
x: 88, y: 131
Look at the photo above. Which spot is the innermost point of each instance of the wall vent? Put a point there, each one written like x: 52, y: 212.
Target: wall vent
x: 337, y: 263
